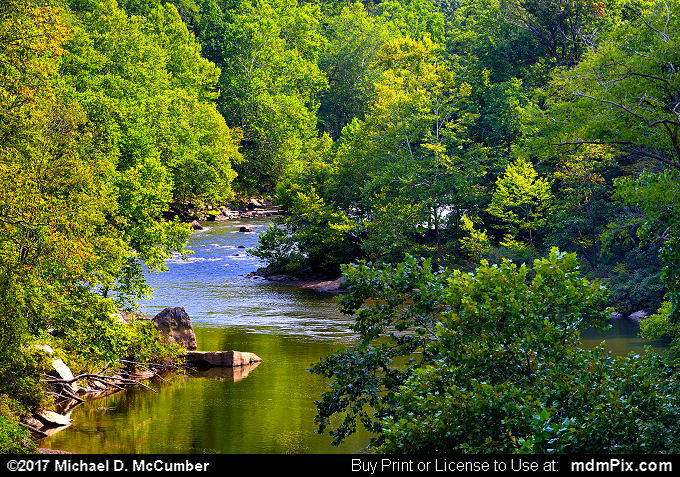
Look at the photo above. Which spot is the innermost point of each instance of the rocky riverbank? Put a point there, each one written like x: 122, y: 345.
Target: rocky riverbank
x: 316, y: 282
x: 251, y: 208
x: 71, y: 391
x: 324, y: 283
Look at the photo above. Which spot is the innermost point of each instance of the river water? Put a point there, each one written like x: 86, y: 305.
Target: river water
x: 266, y: 409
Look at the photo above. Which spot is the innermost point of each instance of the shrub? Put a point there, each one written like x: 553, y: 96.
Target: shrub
x: 490, y: 362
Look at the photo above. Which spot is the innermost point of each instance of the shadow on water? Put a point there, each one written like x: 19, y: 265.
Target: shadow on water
x: 621, y: 339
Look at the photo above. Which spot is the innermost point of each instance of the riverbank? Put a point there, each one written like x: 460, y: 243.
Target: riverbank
x: 316, y: 282
x: 69, y: 391
x: 319, y: 282
x: 251, y: 208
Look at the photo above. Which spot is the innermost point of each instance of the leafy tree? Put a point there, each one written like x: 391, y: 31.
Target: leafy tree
x: 414, y: 18
x: 624, y: 94
x: 210, y: 30
x: 271, y: 84
x: 583, y: 205
x: 399, y: 175
x: 563, y: 27
x: 317, y: 237
x: 501, y: 115
x: 479, y: 33
x: 55, y: 239
x: 195, y: 142
x: 522, y: 200
x: 83, y: 186
x: 409, y: 155
x: 440, y: 353
x: 476, y: 243
x: 656, y: 196
x: 349, y: 61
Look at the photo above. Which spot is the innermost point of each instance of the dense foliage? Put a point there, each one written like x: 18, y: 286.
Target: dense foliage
x: 489, y: 362
x: 465, y: 132
x: 105, y: 120
x: 518, y: 127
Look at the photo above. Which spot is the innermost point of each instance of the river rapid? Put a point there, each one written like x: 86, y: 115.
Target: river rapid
x: 268, y: 408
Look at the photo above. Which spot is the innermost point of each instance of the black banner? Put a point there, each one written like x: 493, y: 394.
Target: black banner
x: 337, y: 464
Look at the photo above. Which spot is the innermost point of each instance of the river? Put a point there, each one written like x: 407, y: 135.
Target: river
x: 266, y: 409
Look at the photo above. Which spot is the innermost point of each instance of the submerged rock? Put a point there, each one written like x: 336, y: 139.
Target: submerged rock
x: 43, y: 450
x: 175, y: 323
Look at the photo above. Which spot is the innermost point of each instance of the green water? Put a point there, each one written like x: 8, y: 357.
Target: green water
x: 266, y: 409
x: 270, y: 410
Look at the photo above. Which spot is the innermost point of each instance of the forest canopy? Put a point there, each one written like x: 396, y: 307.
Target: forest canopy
x: 429, y: 145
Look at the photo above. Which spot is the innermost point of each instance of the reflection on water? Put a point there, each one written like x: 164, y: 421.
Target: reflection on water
x: 224, y: 373
x: 215, y: 411
x: 268, y: 408
x: 622, y: 338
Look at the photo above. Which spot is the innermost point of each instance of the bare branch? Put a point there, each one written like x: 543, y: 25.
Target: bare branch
x: 96, y: 376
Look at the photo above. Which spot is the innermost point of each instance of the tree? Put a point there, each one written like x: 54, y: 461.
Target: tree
x: 481, y: 34
x: 271, y: 84
x: 522, y: 200
x: 56, y: 241
x: 414, y: 18
x: 476, y: 243
x: 397, y: 174
x: 563, y: 27
x: 625, y: 94
x: 410, y: 153
x: 354, y: 38
x: 583, y: 205
x: 489, y: 362
x: 194, y: 140
x: 50, y: 202
x: 497, y: 346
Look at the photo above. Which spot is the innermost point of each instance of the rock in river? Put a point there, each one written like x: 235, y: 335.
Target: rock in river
x: 50, y: 418
x: 638, y: 316
x: 176, y: 323
x: 221, y: 358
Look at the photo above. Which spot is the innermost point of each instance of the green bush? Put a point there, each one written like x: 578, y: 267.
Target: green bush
x: 14, y: 438
x: 145, y: 344
x: 492, y: 365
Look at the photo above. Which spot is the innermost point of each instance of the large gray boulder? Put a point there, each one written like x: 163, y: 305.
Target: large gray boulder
x: 175, y: 323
